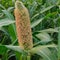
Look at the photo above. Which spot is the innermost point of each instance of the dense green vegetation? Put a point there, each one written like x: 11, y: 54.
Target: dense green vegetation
x: 45, y: 25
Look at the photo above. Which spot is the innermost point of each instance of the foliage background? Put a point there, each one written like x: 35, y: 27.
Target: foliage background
x: 45, y: 25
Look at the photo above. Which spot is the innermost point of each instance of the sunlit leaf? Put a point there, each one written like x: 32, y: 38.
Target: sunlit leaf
x: 44, y: 52
x: 46, y: 9
x: 35, y: 23
x: 5, y: 22
x: 50, y: 30
x: 44, y: 37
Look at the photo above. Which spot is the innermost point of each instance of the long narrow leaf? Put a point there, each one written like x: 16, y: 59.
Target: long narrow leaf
x: 46, y: 9
x: 35, y: 23
x: 44, y: 52
x: 5, y: 22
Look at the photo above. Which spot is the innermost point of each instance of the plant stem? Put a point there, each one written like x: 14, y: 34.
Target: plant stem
x: 23, y: 57
x: 28, y: 57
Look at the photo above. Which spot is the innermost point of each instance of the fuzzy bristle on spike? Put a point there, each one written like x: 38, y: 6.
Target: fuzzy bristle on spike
x: 23, y: 26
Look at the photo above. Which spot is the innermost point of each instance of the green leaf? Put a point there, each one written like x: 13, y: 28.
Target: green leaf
x: 42, y: 11
x: 50, y: 30
x: 33, y: 8
x: 10, y: 8
x: 44, y: 51
x: 2, y: 50
x: 5, y: 22
x: 8, y: 14
x: 35, y: 23
x: 48, y: 8
x: 44, y: 37
x: 59, y: 45
x: 15, y: 48
x: 11, y: 28
x: 2, y: 6
x: 12, y: 32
